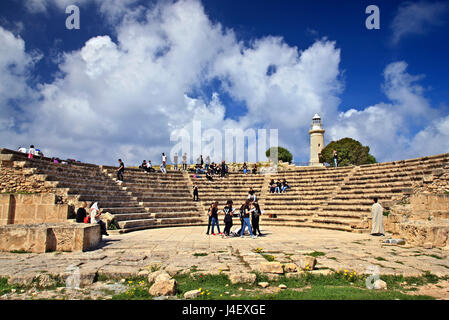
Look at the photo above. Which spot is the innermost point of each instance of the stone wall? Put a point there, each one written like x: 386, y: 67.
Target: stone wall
x: 40, y: 238
x: 31, y: 208
x: 16, y: 179
x: 422, y: 219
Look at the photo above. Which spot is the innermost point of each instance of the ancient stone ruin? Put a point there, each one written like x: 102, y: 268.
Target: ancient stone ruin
x: 329, y: 198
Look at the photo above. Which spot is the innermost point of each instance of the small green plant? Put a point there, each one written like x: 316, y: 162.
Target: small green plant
x: 315, y: 254
x: 154, y: 266
x: 113, y: 225
x: 19, y: 251
x: 268, y: 257
x: 200, y: 254
x: 386, y: 213
x: 380, y: 259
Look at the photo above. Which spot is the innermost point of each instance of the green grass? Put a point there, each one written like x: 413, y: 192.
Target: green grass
x: 341, y: 293
x: 380, y: 259
x: 200, y: 254
x: 309, y: 286
x: 5, y: 287
x: 138, y: 287
x: 19, y: 251
x: 315, y: 254
x: 334, y: 286
x: 268, y: 257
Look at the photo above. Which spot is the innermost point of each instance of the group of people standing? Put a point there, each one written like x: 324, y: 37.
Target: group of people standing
x: 249, y: 209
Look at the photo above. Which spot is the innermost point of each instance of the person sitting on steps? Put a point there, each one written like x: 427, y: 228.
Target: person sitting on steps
x: 95, y: 214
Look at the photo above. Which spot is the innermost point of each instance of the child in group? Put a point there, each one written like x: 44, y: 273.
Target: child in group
x: 284, y: 186
x: 251, y: 194
x: 228, y: 212
x: 244, y: 211
x: 255, y: 215
x: 214, y: 215
x: 272, y: 186
x: 209, y: 215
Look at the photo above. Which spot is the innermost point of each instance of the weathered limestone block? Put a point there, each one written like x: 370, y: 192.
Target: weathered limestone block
x: 423, y: 232
x: 23, y: 238
x: 159, y: 274
x: 107, y: 218
x: 163, y: 288
x: 242, y: 277
x: 192, y: 294
x: 40, y: 238
x: 271, y: 267
x: 290, y: 267
x: 380, y: 285
x: 307, y: 263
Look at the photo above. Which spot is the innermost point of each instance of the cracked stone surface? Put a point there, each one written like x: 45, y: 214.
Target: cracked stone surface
x: 182, y: 248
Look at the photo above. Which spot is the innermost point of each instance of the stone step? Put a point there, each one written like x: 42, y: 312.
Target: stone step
x: 125, y: 210
x: 355, y: 208
x: 107, y: 198
x: 181, y: 214
x: 273, y: 222
x: 111, y: 192
x: 342, y: 214
x: 133, y: 216
x: 136, y: 223
x: 154, y: 209
x: 179, y: 220
x: 118, y: 204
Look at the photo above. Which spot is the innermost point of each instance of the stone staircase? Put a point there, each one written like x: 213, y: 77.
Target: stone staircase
x: 235, y: 187
x: 341, y: 198
x: 332, y: 198
x: 79, y: 182
x: 166, y: 198
x: 310, y: 188
x: 387, y: 181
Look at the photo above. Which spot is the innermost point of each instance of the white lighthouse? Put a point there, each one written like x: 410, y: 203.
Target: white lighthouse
x: 316, y: 140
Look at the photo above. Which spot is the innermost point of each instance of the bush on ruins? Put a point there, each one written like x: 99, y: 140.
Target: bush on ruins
x: 350, y: 152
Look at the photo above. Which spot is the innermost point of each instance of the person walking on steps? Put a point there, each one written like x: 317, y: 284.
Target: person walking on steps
x: 120, y: 170
x: 195, y: 193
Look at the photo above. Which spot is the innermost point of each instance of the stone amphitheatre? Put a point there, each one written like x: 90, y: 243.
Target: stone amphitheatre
x: 322, y: 223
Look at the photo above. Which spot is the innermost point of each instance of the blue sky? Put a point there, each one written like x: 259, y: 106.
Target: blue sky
x: 386, y: 88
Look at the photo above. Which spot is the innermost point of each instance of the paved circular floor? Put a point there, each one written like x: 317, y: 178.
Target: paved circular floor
x: 186, y: 247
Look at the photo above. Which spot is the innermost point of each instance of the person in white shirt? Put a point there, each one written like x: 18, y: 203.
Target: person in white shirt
x: 31, y: 152
x: 95, y: 214
x: 377, y: 215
